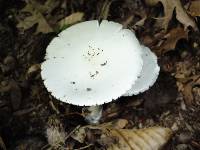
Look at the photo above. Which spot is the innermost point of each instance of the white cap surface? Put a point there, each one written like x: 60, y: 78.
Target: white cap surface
x: 90, y: 64
x: 149, y: 74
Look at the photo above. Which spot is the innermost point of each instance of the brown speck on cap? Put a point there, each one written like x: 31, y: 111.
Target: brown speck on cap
x: 89, y: 89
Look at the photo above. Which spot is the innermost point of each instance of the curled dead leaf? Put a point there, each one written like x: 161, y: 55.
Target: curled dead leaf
x: 183, y: 17
x: 181, y: 14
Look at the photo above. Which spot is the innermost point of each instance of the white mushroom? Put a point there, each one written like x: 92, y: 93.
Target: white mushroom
x: 149, y: 74
x: 91, y: 63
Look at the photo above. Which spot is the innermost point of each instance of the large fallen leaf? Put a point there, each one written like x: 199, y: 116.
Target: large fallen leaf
x: 70, y: 20
x: 153, y: 138
x: 181, y: 14
x: 35, y: 17
x: 194, y: 8
x: 171, y: 39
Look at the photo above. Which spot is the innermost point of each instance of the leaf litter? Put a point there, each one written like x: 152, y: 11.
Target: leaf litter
x: 177, y: 46
x: 181, y: 14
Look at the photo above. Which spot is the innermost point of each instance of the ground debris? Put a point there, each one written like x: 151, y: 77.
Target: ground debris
x: 194, y: 8
x: 15, y: 93
x: 25, y: 105
x: 113, y: 139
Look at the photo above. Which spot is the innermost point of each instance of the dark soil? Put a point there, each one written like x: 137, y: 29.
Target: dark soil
x: 26, y: 106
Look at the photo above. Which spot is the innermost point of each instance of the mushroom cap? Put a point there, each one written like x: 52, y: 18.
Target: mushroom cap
x: 149, y: 73
x: 89, y: 63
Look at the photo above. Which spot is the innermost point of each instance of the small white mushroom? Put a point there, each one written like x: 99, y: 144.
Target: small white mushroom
x: 91, y: 63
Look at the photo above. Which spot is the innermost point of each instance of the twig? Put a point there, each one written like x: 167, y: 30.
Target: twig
x: 53, y: 107
x: 76, y: 128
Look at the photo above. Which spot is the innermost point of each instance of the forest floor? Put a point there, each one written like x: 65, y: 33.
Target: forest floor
x: 169, y: 28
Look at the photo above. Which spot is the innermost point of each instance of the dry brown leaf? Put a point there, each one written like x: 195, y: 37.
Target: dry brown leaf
x: 172, y: 37
x: 194, y: 8
x: 153, y: 138
x: 181, y: 14
x: 35, y: 18
x: 70, y: 20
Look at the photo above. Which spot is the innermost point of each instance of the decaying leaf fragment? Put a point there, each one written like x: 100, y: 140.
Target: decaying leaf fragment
x: 35, y: 17
x: 153, y: 138
x: 181, y: 14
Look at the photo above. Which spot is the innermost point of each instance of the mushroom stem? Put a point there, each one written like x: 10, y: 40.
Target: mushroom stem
x: 92, y: 114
